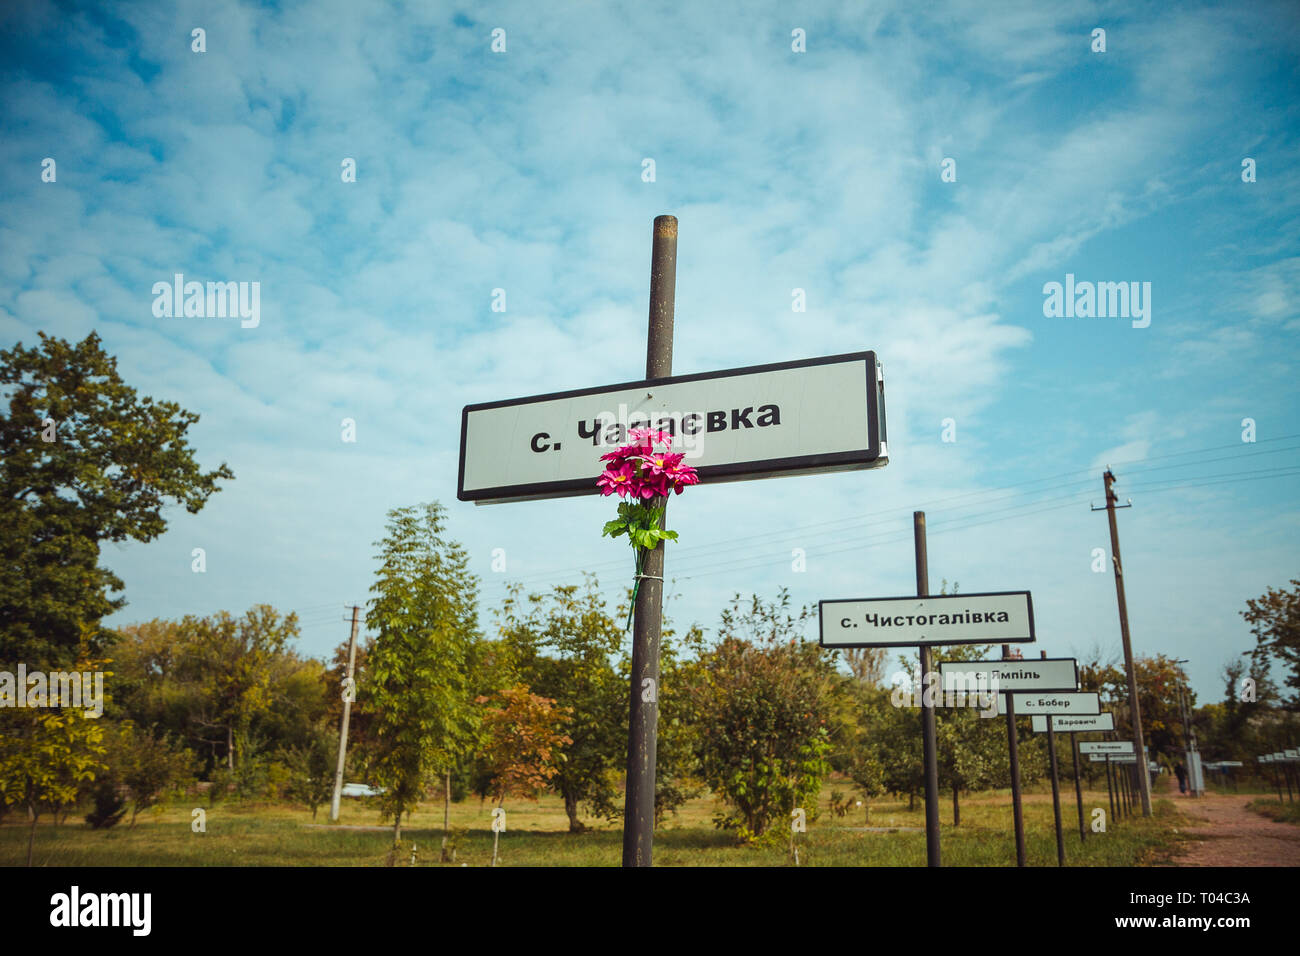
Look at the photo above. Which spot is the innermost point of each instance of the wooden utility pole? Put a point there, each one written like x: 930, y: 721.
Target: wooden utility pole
x: 1135, y: 707
x: 349, y: 692
x: 639, y: 806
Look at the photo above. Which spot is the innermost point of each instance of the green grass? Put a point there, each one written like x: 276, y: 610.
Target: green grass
x: 1281, y: 812
x: 537, y: 835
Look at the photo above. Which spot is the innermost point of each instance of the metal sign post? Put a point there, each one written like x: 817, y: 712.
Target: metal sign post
x: 1056, y: 793
x: 929, y: 737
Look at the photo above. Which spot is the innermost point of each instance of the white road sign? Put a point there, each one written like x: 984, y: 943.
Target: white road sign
x: 1078, y: 725
x: 1106, y: 747
x: 765, y: 421
x: 1114, y: 758
x: 1069, y: 704
x: 1060, y: 673
x: 1000, y: 617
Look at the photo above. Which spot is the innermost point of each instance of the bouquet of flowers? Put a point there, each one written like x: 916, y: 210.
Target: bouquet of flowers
x: 640, y: 471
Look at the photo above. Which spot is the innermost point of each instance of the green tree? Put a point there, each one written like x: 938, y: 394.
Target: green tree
x: 149, y: 764
x: 678, y: 734
x: 221, y: 682
x: 83, y: 460
x: 764, y: 697
x: 561, y: 646
x: 862, y: 758
x: 312, y: 763
x: 419, y: 684
x: 1159, y: 680
x: 231, y: 665
x: 45, y: 756
x: 1274, y: 619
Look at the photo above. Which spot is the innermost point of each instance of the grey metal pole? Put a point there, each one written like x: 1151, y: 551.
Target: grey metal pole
x: 929, y: 737
x: 1121, y: 790
x: 1110, y: 791
x: 1013, y: 747
x: 1144, y: 780
x: 1056, y: 788
x: 643, y: 722
x: 1078, y: 786
x: 347, y: 713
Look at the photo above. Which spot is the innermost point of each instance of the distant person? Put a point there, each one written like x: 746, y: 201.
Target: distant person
x: 1181, y: 773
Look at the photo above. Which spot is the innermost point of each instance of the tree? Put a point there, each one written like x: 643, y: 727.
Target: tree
x: 561, y: 647
x: 764, y: 696
x: 1159, y: 680
x: 83, y: 460
x: 231, y: 665
x: 522, y: 741
x: 1274, y: 619
x: 676, y: 756
x: 424, y: 616
x: 149, y: 764
x: 45, y: 756
x: 862, y: 757
x: 221, y: 683
x: 312, y: 764
x: 972, y: 750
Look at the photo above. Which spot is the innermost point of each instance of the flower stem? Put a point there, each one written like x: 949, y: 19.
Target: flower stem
x: 639, y: 553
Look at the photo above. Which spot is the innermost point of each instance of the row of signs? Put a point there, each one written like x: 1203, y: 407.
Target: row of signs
x: 1282, y: 756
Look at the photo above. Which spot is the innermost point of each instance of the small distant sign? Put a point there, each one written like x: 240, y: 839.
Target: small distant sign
x: 1074, y: 725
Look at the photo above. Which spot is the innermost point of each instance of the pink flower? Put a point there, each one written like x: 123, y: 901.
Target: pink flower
x: 617, y: 480
x: 661, y: 463
x: 647, y: 438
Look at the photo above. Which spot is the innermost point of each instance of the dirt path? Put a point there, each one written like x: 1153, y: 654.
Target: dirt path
x: 1230, y: 835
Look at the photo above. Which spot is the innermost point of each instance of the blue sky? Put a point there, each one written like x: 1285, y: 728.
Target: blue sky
x: 817, y: 170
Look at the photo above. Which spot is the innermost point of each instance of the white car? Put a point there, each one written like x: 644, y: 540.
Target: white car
x: 360, y: 790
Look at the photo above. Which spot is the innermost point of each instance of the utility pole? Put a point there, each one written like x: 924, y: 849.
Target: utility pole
x: 1135, y: 708
x: 639, y: 806
x: 929, y: 744
x: 349, y: 692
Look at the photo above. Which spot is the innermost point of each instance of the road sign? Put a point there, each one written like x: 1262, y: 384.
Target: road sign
x: 1040, y: 674
x: 1074, y: 725
x: 764, y: 421
x: 1106, y: 747
x: 1114, y: 758
x: 996, y: 617
x: 1034, y: 703
x: 1292, y: 754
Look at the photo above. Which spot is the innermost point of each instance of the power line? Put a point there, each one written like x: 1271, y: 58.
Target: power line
x: 837, y: 526
x: 969, y: 521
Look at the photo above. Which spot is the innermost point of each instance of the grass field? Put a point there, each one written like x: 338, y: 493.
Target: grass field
x: 1282, y: 812
x: 536, y: 835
